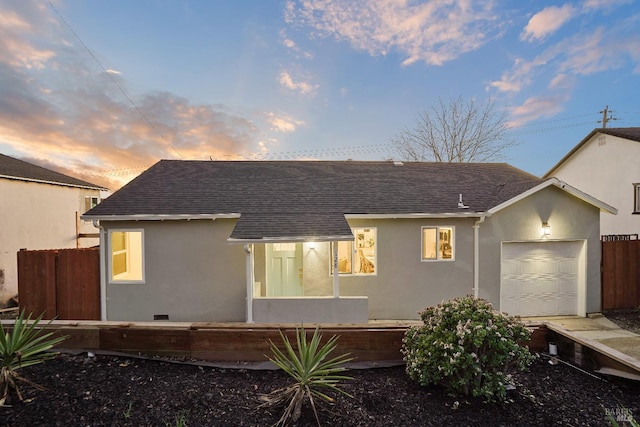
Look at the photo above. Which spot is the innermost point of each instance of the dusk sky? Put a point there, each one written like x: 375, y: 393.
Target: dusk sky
x: 101, y: 90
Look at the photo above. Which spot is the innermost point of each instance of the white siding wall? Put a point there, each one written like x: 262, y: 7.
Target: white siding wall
x: 37, y: 216
x: 606, y: 167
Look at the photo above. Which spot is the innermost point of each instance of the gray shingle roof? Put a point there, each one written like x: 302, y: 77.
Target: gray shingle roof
x: 310, y: 198
x: 628, y: 133
x: 13, y: 168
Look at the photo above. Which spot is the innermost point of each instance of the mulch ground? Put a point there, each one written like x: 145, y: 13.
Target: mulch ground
x: 122, y: 391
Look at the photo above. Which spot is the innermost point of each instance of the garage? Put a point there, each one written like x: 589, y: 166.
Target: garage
x: 542, y: 278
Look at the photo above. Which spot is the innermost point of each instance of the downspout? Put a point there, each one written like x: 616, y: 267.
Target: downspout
x: 249, y: 274
x: 103, y: 270
x: 476, y: 256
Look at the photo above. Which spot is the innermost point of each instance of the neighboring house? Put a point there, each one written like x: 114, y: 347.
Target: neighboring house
x: 40, y: 209
x: 606, y: 164
x: 343, y: 241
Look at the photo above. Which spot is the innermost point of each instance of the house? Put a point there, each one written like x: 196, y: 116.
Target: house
x: 343, y: 241
x: 606, y: 164
x: 40, y: 209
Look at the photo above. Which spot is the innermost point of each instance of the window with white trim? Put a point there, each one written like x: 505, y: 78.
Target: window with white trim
x: 90, y: 202
x: 636, y: 198
x: 359, y: 255
x: 126, y: 256
x: 438, y: 243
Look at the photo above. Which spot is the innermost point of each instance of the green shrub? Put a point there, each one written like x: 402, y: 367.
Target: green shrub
x: 25, y: 345
x: 467, y: 347
x: 312, y: 371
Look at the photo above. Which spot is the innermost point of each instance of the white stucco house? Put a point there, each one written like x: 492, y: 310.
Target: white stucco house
x: 343, y: 242
x: 606, y: 164
x: 40, y: 209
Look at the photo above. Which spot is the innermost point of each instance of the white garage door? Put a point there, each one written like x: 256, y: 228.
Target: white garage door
x: 541, y: 278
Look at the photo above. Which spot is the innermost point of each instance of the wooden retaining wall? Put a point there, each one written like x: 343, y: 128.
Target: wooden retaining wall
x: 237, y: 341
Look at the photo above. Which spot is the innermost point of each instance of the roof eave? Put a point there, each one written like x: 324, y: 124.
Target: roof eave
x: 465, y: 214
x: 570, y: 153
x: 290, y: 239
x: 157, y: 217
x: 561, y: 185
x: 42, y: 181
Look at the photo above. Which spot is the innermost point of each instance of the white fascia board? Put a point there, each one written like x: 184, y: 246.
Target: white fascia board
x: 586, y: 197
x: 416, y: 215
x: 63, y: 184
x: 293, y: 239
x: 561, y: 185
x: 145, y: 217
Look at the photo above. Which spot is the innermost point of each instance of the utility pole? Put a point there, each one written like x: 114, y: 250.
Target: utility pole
x: 606, y: 116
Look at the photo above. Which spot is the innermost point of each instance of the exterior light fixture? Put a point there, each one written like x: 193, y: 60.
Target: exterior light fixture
x: 312, y: 245
x: 546, y: 229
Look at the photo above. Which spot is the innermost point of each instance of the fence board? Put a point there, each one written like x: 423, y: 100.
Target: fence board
x: 620, y: 274
x: 64, y: 284
x: 37, y: 282
x: 78, y: 284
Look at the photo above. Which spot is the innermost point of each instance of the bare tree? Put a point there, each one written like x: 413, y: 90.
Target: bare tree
x: 457, y: 131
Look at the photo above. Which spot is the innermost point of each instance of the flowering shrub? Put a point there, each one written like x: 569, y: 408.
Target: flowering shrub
x: 467, y: 347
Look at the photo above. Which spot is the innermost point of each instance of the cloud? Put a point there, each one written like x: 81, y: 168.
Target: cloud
x: 434, y: 32
x: 584, y: 53
x: 301, y: 87
x: 548, y: 21
x: 537, y: 107
x: 604, y: 4
x: 282, y: 123
x: 60, y: 110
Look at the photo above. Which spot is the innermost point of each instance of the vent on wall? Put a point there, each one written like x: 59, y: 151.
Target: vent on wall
x: 160, y: 317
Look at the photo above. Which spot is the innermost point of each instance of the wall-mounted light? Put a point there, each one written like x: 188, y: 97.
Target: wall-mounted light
x: 312, y: 245
x: 546, y: 229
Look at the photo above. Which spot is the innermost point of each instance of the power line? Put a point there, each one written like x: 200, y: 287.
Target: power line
x: 113, y: 80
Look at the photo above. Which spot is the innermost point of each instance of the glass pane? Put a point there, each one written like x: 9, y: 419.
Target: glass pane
x: 345, y: 252
x: 126, y: 255
x: 429, y: 243
x: 365, y: 256
x: 118, y: 241
x: 446, y: 243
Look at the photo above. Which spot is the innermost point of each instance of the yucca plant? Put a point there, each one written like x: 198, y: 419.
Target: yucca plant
x: 312, y: 370
x: 25, y: 345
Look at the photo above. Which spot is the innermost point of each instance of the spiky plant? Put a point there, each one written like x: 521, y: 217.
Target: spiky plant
x: 24, y: 345
x: 312, y: 370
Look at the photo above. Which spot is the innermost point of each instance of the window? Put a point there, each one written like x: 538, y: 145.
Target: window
x: 437, y: 243
x: 90, y: 202
x: 636, y: 198
x: 358, y: 256
x: 126, y: 256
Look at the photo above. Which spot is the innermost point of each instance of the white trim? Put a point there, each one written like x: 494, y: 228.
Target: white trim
x: 292, y: 239
x: 109, y: 275
x: 476, y: 257
x: 104, y: 273
x: 63, y: 184
x: 415, y: 215
x: 249, y: 268
x: 158, y: 217
x: 438, y: 258
x: 561, y: 185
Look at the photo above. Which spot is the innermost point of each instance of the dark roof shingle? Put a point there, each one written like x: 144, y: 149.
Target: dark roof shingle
x: 13, y: 168
x: 278, y: 198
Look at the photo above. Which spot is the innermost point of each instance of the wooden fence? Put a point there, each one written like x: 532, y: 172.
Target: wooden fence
x: 62, y: 283
x: 620, y: 271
